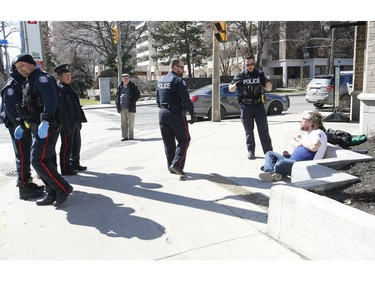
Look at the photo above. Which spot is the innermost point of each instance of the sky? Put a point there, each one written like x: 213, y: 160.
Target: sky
x: 14, y: 43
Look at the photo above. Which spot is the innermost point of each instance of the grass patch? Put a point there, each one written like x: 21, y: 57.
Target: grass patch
x: 91, y: 102
x: 88, y: 102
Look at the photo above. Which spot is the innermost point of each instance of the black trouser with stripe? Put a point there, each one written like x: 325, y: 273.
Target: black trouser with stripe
x: 22, y: 152
x: 70, y: 148
x: 173, y: 126
x: 43, y: 159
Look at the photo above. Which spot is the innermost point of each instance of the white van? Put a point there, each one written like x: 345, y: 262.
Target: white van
x: 320, y: 90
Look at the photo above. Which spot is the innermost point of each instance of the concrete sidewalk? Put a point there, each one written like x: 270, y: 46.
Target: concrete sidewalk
x: 127, y: 206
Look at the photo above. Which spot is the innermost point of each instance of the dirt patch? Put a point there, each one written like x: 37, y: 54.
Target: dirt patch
x: 360, y: 195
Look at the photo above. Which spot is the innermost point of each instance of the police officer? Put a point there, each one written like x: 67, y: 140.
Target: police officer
x: 173, y: 100
x: 11, y: 96
x: 252, y: 84
x: 42, y: 106
x: 73, y: 117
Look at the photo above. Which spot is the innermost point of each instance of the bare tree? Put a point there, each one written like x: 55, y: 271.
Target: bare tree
x: 94, y: 40
x: 6, y: 29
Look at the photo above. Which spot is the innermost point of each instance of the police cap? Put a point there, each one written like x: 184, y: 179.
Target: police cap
x: 62, y: 68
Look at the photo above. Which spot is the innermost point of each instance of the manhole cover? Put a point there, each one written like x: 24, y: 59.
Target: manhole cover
x: 134, y: 168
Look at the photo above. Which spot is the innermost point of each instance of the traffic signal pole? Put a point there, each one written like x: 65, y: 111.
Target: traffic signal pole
x: 215, y: 110
x: 219, y: 35
x: 119, y: 53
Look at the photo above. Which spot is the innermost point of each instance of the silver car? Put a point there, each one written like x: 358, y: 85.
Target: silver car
x: 229, y: 106
x: 320, y: 90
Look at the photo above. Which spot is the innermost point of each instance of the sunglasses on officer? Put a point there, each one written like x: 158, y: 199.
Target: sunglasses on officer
x: 250, y: 64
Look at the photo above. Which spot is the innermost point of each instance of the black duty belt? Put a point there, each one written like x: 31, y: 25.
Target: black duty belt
x: 168, y: 106
x: 251, y: 101
x: 164, y: 106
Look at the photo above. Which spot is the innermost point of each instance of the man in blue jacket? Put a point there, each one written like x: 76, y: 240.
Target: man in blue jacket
x: 43, y: 109
x: 173, y: 100
x: 11, y: 110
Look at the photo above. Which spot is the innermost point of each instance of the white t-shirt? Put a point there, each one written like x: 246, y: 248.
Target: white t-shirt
x: 301, y: 153
x: 322, y: 137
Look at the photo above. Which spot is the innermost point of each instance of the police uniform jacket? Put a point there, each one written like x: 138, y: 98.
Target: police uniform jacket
x: 71, y: 108
x: 134, y: 96
x: 11, y: 95
x: 172, y: 94
x: 252, y: 86
x: 41, y: 99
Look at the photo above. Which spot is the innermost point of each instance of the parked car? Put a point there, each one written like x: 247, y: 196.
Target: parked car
x: 320, y: 90
x: 229, y: 106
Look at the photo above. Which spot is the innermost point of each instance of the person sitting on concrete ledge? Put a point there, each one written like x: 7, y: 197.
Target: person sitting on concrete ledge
x: 311, y: 146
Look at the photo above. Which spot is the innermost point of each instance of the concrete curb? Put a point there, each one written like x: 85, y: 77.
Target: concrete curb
x: 319, y: 228
x: 315, y: 226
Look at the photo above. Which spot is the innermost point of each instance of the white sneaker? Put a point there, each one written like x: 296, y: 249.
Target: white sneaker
x: 270, y: 177
x: 266, y: 176
x: 277, y: 177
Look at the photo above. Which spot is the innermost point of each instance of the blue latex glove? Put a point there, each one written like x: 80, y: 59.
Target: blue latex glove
x: 43, y: 129
x: 18, y: 132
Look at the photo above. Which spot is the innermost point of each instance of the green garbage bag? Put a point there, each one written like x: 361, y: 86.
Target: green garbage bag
x: 358, y: 140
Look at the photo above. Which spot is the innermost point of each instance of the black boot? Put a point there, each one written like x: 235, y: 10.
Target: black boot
x: 27, y: 191
x: 34, y: 186
x: 48, y: 199
x: 61, y: 197
x: 79, y: 167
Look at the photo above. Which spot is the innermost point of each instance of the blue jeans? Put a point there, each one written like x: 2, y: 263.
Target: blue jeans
x: 276, y: 163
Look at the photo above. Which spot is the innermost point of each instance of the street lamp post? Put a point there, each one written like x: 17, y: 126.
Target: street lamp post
x: 193, y: 51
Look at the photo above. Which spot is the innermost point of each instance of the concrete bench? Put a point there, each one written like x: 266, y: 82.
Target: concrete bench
x: 318, y: 227
x: 323, y: 174
x: 315, y: 226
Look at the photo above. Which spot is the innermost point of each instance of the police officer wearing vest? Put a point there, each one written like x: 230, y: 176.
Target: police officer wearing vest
x: 173, y: 100
x: 43, y: 109
x: 73, y: 117
x: 11, y: 96
x: 252, y: 84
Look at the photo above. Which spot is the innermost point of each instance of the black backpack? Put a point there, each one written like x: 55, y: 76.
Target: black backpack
x: 338, y: 137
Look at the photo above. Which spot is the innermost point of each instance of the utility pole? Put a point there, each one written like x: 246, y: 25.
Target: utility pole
x: 215, y: 110
x: 5, y: 52
x: 119, y: 53
x: 332, y: 54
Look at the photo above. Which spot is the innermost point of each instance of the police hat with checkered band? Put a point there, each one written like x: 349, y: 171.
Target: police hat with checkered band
x: 62, y: 68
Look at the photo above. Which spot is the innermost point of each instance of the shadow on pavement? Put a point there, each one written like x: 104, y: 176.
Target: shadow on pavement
x: 109, y: 218
x: 134, y: 186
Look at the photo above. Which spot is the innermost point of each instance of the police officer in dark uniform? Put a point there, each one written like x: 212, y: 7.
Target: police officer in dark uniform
x: 252, y: 84
x: 173, y: 100
x: 43, y: 109
x: 11, y: 96
x: 73, y: 117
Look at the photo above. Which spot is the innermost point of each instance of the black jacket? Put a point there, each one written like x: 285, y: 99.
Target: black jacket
x: 134, y: 95
x: 11, y: 95
x: 71, y: 108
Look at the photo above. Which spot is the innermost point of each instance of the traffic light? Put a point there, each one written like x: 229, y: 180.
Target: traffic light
x: 221, y: 31
x: 114, y: 33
